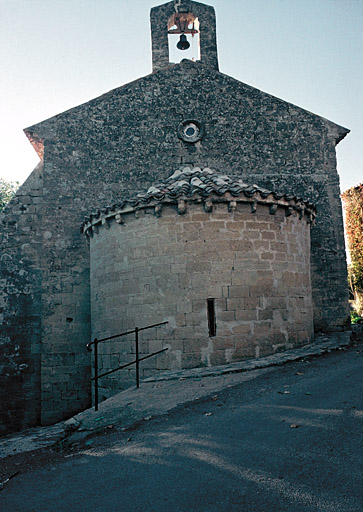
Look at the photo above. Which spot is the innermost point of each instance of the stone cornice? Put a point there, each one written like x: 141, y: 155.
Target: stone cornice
x: 204, y: 187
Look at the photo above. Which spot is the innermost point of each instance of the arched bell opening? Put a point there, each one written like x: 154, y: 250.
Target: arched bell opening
x: 183, y: 37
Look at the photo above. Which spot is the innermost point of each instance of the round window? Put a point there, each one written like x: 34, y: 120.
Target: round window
x: 190, y: 131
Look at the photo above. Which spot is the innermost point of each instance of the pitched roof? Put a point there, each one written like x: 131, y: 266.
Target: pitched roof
x: 188, y: 182
x: 196, y: 184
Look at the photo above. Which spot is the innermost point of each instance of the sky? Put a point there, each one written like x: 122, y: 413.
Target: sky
x: 57, y: 54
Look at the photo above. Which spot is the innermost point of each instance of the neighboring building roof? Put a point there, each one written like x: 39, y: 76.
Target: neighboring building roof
x: 189, y: 185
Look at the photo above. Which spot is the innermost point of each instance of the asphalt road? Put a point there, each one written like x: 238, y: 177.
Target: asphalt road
x: 289, y: 440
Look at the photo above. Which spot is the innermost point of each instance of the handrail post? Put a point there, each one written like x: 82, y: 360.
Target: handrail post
x: 96, y: 374
x: 95, y: 342
x: 137, y: 357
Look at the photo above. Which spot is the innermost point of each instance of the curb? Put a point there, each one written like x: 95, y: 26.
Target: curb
x: 82, y: 426
x: 321, y: 345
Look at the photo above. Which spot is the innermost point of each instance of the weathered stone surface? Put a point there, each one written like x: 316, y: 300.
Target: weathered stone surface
x: 119, y: 144
x: 161, y: 17
x: 258, y: 312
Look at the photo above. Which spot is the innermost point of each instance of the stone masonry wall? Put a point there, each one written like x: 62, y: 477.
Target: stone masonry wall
x: 127, y: 140
x: 148, y: 270
x: 159, y: 17
x: 20, y: 306
x: 119, y: 144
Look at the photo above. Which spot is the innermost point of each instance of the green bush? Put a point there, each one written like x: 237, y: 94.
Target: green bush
x: 355, y: 318
x: 7, y: 190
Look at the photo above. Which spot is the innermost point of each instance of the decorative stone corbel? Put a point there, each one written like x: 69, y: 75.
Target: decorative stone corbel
x: 309, y: 216
x: 119, y: 219
x: 208, y: 206
x: 288, y: 211
x: 300, y: 211
x: 182, y: 206
x: 105, y: 223
x: 232, y: 205
x: 273, y: 208
x: 158, y: 210
x: 254, y: 207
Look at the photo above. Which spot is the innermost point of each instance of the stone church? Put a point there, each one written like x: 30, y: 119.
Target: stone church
x: 185, y: 196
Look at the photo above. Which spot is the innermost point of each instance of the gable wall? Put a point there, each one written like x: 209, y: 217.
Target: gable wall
x: 248, y: 134
x: 126, y: 140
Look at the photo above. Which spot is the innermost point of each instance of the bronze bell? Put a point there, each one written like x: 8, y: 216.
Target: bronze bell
x: 183, y: 43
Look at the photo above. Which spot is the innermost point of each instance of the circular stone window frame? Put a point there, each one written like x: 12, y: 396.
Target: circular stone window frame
x: 188, y: 124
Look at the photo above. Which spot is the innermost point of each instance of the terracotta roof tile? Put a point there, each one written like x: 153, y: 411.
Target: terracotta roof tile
x: 188, y: 183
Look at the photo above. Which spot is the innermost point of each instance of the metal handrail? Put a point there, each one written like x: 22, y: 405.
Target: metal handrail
x: 129, y: 364
x: 95, y: 342
x: 123, y: 334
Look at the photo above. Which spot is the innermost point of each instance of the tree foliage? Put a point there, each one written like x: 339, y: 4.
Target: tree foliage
x: 353, y: 206
x: 7, y: 190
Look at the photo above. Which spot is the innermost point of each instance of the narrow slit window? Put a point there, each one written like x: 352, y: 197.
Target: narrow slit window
x: 211, y: 311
